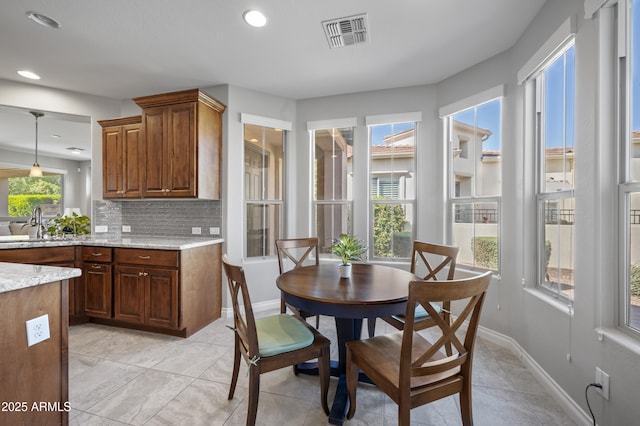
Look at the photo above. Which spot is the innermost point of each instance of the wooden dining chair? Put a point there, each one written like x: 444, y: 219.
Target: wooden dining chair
x: 430, y: 259
x: 297, y: 252
x: 271, y: 343
x: 413, y: 370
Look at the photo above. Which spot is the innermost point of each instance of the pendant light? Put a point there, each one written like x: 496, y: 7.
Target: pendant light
x: 36, y: 170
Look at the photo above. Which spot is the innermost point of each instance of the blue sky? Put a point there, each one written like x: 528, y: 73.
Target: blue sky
x: 379, y: 132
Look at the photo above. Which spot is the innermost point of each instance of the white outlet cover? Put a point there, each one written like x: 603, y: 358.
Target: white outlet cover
x: 196, y: 230
x: 126, y: 228
x: 38, y: 330
x: 101, y: 228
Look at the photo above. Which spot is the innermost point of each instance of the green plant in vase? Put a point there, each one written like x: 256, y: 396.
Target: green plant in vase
x: 348, y: 248
x: 76, y: 224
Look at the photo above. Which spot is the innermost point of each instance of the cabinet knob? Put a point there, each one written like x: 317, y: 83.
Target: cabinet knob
x: 140, y: 274
x: 145, y: 274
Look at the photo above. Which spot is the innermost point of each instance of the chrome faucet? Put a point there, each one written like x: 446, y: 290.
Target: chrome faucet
x: 36, y: 220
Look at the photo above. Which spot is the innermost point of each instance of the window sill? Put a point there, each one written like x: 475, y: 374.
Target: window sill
x: 561, y: 305
x: 619, y: 337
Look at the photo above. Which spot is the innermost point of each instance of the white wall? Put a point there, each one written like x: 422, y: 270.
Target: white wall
x: 47, y: 99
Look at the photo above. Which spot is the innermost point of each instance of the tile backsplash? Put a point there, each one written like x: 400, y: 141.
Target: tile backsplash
x: 174, y: 218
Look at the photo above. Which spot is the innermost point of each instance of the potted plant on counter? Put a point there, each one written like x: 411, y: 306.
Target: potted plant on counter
x: 347, y: 248
x: 74, y: 225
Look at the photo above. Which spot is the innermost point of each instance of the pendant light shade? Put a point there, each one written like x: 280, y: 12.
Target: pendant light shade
x: 36, y: 170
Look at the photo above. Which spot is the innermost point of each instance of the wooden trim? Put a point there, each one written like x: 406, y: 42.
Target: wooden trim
x: 121, y: 121
x: 192, y: 95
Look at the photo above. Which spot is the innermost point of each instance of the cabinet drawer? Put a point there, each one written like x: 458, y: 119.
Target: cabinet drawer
x: 170, y: 258
x: 38, y: 255
x: 97, y: 254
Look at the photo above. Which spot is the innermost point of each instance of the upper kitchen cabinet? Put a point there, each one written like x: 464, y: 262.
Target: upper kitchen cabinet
x: 122, y: 155
x: 182, y: 137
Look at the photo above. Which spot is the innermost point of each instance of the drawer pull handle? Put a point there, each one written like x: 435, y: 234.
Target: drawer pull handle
x: 96, y: 254
x: 145, y: 257
x: 96, y: 267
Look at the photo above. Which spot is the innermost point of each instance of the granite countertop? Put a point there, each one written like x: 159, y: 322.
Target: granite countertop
x: 16, y: 276
x: 144, y: 242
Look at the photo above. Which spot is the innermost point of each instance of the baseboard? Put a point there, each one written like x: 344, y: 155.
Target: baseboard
x: 568, y: 404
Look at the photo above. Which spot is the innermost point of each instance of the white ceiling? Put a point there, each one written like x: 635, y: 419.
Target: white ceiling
x: 123, y: 49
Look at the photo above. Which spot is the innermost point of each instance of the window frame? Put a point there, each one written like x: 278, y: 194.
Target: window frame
x: 452, y: 196
x: 348, y: 202
x: 391, y: 119
x: 285, y: 126
x: 627, y: 186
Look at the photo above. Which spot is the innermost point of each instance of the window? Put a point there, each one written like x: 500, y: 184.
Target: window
x: 392, y: 165
x: 555, y: 169
x: 263, y: 187
x: 25, y: 193
x: 473, y: 136
x: 630, y: 185
x: 332, y: 183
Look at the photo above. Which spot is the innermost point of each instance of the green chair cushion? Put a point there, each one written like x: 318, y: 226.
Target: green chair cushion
x: 420, y: 312
x: 281, y: 333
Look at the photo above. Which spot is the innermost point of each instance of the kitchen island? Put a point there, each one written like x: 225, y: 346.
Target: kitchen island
x: 170, y: 285
x: 34, y: 385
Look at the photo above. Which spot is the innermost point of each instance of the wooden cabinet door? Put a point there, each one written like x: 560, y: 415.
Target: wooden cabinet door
x: 155, y: 137
x: 181, y: 156
x: 122, y: 157
x: 129, y: 294
x: 132, y: 160
x: 162, y: 298
x: 97, y: 290
x: 112, y: 162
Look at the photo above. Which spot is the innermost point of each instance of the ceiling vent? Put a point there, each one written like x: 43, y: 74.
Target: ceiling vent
x: 346, y: 31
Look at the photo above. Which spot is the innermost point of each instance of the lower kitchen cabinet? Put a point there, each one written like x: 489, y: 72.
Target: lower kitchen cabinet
x: 97, y: 289
x: 175, y: 292
x: 146, y: 295
x: 171, y: 291
x: 97, y: 274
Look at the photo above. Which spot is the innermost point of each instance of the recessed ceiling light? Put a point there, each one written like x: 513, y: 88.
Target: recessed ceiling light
x: 75, y: 150
x: 29, y: 74
x: 44, y: 20
x: 254, y: 18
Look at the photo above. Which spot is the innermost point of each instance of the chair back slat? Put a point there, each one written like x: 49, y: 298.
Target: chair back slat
x: 431, y: 360
x: 297, y: 250
x: 434, y: 257
x: 243, y: 319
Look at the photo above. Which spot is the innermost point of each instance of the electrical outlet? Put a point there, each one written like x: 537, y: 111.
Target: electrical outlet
x: 196, y: 230
x: 126, y: 228
x: 214, y: 230
x: 101, y: 228
x: 602, y: 379
x: 38, y: 330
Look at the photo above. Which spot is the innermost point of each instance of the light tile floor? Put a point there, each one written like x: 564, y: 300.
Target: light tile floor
x: 119, y: 376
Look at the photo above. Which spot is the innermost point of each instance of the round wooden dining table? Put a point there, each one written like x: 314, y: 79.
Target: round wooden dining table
x: 371, y: 291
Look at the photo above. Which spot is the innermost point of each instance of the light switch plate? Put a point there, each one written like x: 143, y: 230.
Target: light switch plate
x: 214, y: 230
x: 196, y: 230
x: 126, y: 228
x: 38, y: 330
